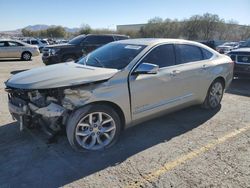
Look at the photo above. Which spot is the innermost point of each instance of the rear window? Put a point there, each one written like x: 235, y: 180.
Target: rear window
x: 77, y: 40
x: 99, y: 39
x: 206, y: 53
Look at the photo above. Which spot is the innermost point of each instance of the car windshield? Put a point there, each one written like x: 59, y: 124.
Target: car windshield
x: 44, y: 41
x: 112, y: 55
x: 77, y: 40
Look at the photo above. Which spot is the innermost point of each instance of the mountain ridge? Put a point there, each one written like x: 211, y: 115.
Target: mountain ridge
x: 39, y: 27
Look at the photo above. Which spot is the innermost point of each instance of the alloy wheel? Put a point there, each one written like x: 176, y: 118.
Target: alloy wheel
x: 215, y: 94
x: 95, y: 131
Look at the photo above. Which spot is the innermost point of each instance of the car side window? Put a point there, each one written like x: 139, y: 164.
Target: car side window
x: 90, y: 40
x: 105, y: 39
x: 163, y: 56
x: 186, y: 53
x: 206, y: 54
x: 34, y: 42
x: 14, y: 44
x: 2, y: 44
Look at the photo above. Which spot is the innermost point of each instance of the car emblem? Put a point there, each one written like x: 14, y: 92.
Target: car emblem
x: 245, y: 59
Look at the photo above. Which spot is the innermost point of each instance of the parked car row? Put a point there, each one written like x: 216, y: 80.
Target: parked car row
x: 227, y: 47
x: 40, y: 43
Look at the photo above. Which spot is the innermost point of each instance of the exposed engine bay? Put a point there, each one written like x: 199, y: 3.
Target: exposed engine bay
x: 46, y: 108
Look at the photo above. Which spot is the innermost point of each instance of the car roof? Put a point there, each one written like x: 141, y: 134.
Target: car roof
x: 106, y: 35
x: 155, y: 41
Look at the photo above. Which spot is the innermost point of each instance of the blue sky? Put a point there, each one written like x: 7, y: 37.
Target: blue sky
x: 109, y: 13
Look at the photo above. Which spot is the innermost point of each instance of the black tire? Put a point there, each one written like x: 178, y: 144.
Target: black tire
x: 208, y: 103
x: 26, y: 56
x: 77, y: 116
x: 68, y: 58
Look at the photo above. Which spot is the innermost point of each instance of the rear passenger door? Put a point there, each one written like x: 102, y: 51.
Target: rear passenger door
x: 153, y: 93
x: 192, y: 69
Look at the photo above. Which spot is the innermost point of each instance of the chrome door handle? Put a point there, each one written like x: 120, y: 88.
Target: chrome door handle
x: 204, y: 67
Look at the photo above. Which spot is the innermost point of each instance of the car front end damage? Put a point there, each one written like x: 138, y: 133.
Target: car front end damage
x: 43, y: 97
x: 45, y: 108
x: 37, y: 107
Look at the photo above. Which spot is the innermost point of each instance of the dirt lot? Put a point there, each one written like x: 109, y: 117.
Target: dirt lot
x: 190, y: 148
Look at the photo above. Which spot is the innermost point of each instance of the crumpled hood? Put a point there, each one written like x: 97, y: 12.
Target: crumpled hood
x: 59, y: 75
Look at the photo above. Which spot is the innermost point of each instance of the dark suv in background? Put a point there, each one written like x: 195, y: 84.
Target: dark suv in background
x: 77, y: 47
x: 241, y: 58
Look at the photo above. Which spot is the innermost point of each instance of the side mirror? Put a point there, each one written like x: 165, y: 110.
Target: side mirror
x: 146, y: 68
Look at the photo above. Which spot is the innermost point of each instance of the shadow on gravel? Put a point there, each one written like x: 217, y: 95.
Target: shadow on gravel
x: 240, y: 86
x: 10, y: 60
x: 27, y: 161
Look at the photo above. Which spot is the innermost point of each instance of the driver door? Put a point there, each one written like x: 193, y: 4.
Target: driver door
x: 152, y: 93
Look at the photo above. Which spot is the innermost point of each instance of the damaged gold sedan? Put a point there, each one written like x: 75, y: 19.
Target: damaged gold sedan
x: 116, y: 86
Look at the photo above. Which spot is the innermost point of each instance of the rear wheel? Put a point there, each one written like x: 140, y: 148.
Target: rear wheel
x: 94, y: 127
x: 26, y: 56
x: 214, y: 95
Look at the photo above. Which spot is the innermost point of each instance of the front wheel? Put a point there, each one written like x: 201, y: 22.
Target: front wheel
x: 93, y: 127
x: 214, y: 95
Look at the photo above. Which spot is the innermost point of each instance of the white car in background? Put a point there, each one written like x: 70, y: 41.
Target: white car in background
x: 39, y: 43
x: 227, y: 47
x: 17, y: 49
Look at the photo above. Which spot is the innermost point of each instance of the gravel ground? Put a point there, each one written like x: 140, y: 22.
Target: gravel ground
x: 189, y: 148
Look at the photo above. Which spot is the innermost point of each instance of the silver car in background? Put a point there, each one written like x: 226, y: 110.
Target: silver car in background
x: 17, y: 49
x: 116, y: 86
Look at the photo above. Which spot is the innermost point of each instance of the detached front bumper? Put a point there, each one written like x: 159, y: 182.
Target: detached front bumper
x: 22, y: 112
